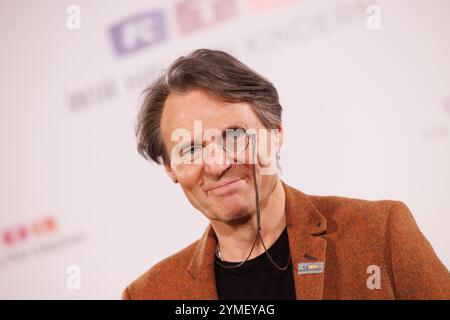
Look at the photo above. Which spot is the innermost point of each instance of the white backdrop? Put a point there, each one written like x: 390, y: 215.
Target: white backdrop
x: 366, y: 115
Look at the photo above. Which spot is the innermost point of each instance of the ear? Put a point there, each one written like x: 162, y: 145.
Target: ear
x: 279, y: 136
x: 170, y: 172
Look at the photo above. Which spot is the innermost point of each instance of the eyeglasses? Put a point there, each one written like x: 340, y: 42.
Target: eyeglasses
x: 234, y: 144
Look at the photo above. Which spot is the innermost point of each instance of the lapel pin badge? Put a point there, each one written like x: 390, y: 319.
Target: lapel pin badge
x: 310, y: 267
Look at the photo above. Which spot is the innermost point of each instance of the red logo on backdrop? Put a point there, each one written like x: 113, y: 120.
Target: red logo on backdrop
x: 257, y: 5
x: 24, y: 232
x: 193, y: 15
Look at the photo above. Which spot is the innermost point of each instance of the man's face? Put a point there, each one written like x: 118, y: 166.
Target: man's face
x: 220, y: 189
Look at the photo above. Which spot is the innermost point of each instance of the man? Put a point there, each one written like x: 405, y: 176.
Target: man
x: 215, y: 125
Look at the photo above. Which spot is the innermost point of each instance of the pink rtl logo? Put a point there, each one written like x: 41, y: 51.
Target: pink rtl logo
x: 193, y: 15
x: 21, y: 233
x: 257, y: 5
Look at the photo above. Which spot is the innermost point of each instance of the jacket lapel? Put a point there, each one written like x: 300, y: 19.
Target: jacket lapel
x: 305, y: 225
x: 201, y: 267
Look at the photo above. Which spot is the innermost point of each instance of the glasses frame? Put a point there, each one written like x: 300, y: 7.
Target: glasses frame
x: 234, y: 153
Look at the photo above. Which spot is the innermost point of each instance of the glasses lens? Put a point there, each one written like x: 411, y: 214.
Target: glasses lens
x: 236, y: 141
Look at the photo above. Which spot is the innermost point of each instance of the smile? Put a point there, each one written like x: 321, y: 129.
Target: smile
x: 227, y: 187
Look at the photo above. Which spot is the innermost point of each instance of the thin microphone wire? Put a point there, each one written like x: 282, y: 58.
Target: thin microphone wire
x: 258, y: 222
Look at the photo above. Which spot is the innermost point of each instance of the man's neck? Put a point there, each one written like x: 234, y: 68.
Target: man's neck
x: 236, y: 241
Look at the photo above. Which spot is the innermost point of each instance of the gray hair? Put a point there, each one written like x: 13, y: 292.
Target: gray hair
x: 214, y: 71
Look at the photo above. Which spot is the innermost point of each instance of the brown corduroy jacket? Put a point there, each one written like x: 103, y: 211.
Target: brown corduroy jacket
x: 352, y: 237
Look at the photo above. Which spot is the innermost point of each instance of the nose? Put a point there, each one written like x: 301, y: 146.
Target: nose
x: 216, y: 163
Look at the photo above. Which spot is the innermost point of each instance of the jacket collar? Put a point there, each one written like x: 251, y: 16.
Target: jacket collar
x: 305, y: 226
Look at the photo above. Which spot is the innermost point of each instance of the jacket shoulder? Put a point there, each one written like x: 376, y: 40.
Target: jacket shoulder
x: 357, y: 211
x: 161, y: 276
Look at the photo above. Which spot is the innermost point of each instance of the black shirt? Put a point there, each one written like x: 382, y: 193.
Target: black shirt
x: 258, y: 278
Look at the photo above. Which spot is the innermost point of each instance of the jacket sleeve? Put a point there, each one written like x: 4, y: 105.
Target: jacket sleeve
x: 125, y: 294
x: 417, y: 271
